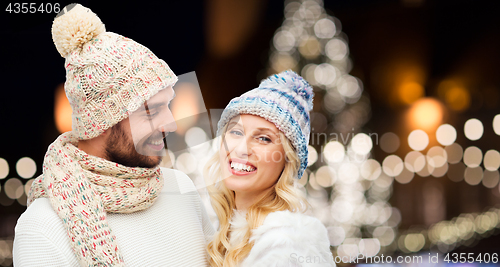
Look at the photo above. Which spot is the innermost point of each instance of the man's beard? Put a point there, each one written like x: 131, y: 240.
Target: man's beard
x: 120, y: 149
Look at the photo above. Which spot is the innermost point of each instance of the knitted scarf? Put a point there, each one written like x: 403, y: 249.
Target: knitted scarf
x: 82, y: 188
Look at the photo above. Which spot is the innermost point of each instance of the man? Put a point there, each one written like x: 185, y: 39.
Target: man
x: 102, y: 199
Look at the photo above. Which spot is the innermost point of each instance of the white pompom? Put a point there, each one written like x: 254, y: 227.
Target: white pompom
x: 72, y: 29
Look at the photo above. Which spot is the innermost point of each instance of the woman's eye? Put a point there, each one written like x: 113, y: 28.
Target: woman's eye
x: 264, y: 139
x: 235, y: 132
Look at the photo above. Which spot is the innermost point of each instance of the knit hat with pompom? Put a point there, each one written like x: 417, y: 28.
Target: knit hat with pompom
x: 284, y: 99
x: 108, y: 76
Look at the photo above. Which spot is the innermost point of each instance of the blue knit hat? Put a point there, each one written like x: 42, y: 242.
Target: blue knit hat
x: 284, y: 99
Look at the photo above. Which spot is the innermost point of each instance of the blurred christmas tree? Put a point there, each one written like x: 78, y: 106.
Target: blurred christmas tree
x: 346, y: 188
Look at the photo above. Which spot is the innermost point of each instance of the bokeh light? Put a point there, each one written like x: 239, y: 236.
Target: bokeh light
x: 457, y: 98
x: 303, y: 180
x: 490, y: 178
x: 26, y: 167
x: 186, y: 107
x: 361, y: 144
x: 282, y: 61
x: 456, y: 171
x: 496, y: 124
x: 310, y: 47
x: 426, y: 170
x: 454, y: 152
x: 414, y: 161
x: 392, y: 165
x: 333, y: 101
x: 27, y: 186
x: 436, y: 156
x: 370, y: 169
x: 384, y: 234
x: 186, y: 163
x: 4, y: 168
x: 440, y: 171
x: 473, y: 175
x: 473, y: 129
x: 325, y: 176
x: 418, y: 140
x: 62, y: 110
x: 14, y: 188
x: 409, y: 92
x: 473, y: 156
x: 324, y: 28
x: 446, y: 134
x: 426, y: 114
x: 414, y: 242
x: 389, y: 142
x: 342, y: 210
x: 369, y: 247
x: 336, y: 235
x: 334, y: 152
x: 325, y: 74
x: 312, y: 155
x: 349, y: 86
x: 284, y: 41
x: 168, y: 160
x: 491, y: 160
x: 336, y: 49
x: 348, y: 173
x: 405, y: 176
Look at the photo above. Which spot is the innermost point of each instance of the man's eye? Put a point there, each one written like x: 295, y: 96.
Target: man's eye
x: 152, y: 113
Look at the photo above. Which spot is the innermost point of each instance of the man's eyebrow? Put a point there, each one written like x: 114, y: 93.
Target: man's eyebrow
x: 155, y: 105
x: 147, y: 107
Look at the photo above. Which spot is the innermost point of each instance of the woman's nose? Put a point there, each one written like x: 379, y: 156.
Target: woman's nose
x: 243, y: 148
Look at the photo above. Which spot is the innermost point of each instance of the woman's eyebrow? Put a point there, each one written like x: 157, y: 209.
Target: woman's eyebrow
x: 232, y: 124
x: 264, y: 129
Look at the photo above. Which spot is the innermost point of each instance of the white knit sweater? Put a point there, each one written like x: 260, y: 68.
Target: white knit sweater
x: 172, y: 232
x: 285, y: 239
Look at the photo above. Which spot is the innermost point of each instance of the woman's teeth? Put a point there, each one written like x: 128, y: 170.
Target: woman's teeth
x: 242, y: 167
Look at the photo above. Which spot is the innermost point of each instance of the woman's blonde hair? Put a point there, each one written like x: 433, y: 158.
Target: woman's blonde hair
x: 283, y: 196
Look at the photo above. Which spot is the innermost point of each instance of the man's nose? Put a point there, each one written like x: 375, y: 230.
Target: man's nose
x: 168, y: 123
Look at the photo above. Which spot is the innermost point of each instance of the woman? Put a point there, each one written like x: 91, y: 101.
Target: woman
x: 265, y: 133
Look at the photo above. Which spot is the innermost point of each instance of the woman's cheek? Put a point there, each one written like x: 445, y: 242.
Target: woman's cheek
x: 267, y: 156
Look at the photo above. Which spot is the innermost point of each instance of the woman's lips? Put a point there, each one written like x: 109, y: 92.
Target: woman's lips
x: 238, y: 164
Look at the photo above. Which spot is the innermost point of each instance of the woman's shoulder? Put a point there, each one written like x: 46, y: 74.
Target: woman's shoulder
x: 295, y: 225
x: 286, y: 238
x: 286, y: 218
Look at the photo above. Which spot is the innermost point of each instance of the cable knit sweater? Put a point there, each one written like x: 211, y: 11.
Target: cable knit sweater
x: 172, y: 232
x: 284, y: 239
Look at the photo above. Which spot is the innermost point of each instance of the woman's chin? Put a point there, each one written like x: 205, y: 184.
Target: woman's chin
x: 236, y: 184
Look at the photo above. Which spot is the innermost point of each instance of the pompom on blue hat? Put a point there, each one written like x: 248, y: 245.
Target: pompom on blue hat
x: 284, y: 99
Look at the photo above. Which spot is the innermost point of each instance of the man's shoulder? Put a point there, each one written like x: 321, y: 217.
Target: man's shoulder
x: 40, y: 217
x: 177, y: 181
